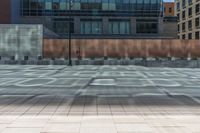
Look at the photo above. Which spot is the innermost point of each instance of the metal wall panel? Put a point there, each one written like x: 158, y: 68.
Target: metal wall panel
x: 121, y: 48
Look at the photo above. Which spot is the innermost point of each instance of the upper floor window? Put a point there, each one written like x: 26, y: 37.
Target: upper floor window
x: 91, y: 26
x: 197, y: 35
x: 189, y: 2
x: 190, y: 12
x: 183, y: 26
x: 197, y: 22
x: 119, y: 26
x: 197, y: 9
x: 183, y: 3
x: 178, y: 6
x: 170, y: 10
x: 183, y: 15
x: 190, y: 24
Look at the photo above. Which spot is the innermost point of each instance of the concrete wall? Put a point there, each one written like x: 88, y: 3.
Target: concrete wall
x: 122, y: 48
x: 21, y: 40
x: 170, y: 29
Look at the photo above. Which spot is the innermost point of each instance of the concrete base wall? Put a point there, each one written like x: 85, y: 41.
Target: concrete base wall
x: 177, y: 63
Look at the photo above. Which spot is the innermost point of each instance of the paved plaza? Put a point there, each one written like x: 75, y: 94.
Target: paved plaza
x: 99, y: 99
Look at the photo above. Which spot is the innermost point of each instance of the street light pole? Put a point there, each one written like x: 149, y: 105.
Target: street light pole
x: 69, y: 33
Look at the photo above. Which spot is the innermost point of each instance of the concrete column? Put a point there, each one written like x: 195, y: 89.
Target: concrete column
x: 77, y: 25
x: 133, y: 26
x: 160, y: 26
x: 105, y: 25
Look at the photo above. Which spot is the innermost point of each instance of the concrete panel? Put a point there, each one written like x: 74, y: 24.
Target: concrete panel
x: 21, y: 40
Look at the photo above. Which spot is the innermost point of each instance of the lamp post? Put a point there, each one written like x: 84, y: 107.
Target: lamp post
x: 69, y: 32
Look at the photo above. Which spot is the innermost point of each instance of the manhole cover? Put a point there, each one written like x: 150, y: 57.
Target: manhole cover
x: 103, y: 82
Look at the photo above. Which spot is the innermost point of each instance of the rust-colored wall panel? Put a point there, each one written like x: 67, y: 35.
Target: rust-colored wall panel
x: 5, y: 11
x: 94, y: 48
x: 136, y: 48
x: 55, y: 48
x: 157, y: 49
x: 120, y: 48
x: 179, y: 48
x: 194, y: 48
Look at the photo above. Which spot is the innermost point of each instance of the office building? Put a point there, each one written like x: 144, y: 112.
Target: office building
x: 94, y: 18
x: 188, y: 13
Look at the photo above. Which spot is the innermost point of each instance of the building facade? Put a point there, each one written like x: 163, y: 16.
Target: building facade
x: 170, y: 20
x: 96, y: 18
x: 188, y: 13
x: 169, y: 9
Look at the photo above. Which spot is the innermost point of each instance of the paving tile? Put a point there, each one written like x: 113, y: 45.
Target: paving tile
x: 98, y: 130
x: 128, y: 119
x: 171, y: 129
x: 3, y: 127
x: 62, y: 128
x: 22, y: 130
x: 133, y: 128
x: 66, y: 119
x: 28, y: 124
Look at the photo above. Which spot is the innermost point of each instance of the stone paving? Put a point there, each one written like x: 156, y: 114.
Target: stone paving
x: 99, y: 99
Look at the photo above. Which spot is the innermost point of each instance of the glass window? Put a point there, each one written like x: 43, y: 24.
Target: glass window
x: 190, y: 24
x: 190, y: 12
x: 56, y: 5
x: 189, y: 2
x: 197, y: 10
x: 62, y: 26
x: 183, y: 36
x: 112, y: 5
x: 105, y: 4
x: 183, y: 26
x: 197, y: 22
x: 183, y: 3
x: 63, y: 5
x: 183, y: 15
x: 190, y: 36
x: 119, y: 27
x: 147, y: 26
x: 178, y: 6
x: 91, y: 27
x: 170, y: 10
x: 48, y: 5
x: 76, y: 5
x: 197, y: 35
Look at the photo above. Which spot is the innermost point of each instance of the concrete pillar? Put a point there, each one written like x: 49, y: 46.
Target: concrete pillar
x: 77, y: 25
x: 160, y: 26
x: 105, y: 25
x: 133, y: 26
